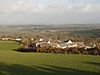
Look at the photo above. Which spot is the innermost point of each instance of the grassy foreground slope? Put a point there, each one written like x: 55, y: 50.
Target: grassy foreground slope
x: 17, y: 63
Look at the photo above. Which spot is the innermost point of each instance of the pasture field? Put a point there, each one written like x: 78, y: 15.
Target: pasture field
x: 18, y: 63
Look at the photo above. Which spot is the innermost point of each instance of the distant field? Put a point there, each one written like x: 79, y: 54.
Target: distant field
x: 87, y: 33
x: 17, y: 63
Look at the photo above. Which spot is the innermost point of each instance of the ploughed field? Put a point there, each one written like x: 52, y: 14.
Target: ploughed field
x: 29, y: 63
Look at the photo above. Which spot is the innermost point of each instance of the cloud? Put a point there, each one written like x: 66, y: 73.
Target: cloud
x: 49, y: 11
x: 27, y: 6
x: 89, y: 8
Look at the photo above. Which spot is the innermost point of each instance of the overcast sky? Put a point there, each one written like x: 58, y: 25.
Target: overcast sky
x: 49, y: 11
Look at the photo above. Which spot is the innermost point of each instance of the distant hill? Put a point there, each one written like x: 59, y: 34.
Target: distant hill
x: 85, y: 30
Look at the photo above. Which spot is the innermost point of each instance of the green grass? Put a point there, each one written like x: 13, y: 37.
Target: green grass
x: 17, y: 63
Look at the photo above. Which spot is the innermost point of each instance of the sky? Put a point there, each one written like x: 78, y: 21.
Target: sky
x: 49, y: 12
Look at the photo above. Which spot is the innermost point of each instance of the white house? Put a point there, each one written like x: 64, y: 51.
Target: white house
x: 41, y: 39
x: 69, y: 42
